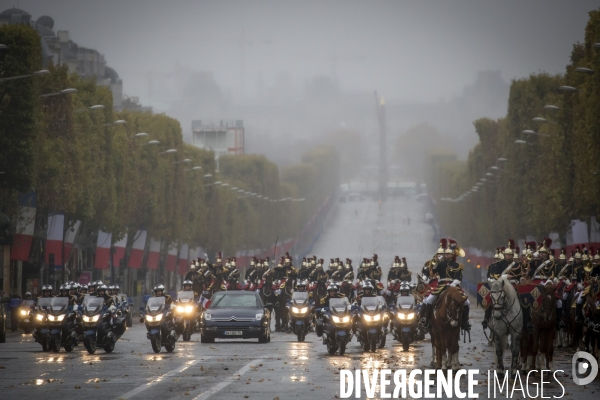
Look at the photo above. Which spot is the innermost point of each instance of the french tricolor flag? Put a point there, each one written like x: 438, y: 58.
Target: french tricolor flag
x: 137, y: 250
x: 172, y: 258
x: 183, y: 259
x: 154, y: 254
x: 54, y: 238
x: 119, y: 251
x: 103, y: 250
x: 70, y: 235
x: 21, y: 247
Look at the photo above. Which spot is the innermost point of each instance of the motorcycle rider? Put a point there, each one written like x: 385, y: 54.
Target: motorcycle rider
x: 187, y: 287
x: 101, y: 291
x: 64, y: 291
x: 46, y: 291
x: 332, y: 293
x: 368, y: 290
x: 159, y: 291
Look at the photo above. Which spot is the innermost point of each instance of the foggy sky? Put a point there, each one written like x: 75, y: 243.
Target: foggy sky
x: 413, y: 50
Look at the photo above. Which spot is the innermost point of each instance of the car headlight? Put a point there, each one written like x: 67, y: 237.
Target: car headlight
x: 297, y: 310
x: 259, y: 316
x: 23, y: 312
x: 95, y: 318
x: 207, y: 316
x: 189, y: 309
x: 40, y: 317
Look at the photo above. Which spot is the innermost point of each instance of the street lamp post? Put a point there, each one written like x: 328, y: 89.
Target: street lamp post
x: 64, y: 91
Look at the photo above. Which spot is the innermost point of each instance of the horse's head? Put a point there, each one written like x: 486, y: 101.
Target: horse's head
x: 498, y: 296
x: 454, y: 302
x: 548, y: 301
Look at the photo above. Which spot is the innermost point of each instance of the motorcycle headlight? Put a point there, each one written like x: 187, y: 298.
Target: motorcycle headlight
x: 370, y: 318
x: 401, y: 315
x: 179, y: 309
x: 410, y: 316
x: 95, y: 318
x: 297, y: 310
x: 40, y: 317
x: 336, y: 319
x: 23, y: 312
x: 149, y: 318
x: 259, y: 316
x: 158, y: 317
x: 189, y: 309
x: 207, y: 316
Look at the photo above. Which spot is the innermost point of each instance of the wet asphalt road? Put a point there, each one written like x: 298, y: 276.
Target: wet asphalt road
x: 281, y: 369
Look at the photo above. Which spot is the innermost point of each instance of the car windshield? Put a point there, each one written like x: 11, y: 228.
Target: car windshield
x: 370, y: 302
x: 405, y: 301
x: 242, y: 301
x: 185, y: 295
x: 339, y: 305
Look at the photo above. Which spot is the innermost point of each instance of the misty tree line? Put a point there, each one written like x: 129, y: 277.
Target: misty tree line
x: 81, y: 164
x: 549, y: 178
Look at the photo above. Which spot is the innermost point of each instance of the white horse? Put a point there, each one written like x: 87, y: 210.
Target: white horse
x: 507, y: 320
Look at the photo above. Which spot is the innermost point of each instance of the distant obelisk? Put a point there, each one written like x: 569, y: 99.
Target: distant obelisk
x: 383, y: 172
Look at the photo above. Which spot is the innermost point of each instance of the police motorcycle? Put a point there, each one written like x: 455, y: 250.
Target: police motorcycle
x: 24, y: 315
x: 61, y: 324
x: 335, y: 325
x: 372, y: 316
x: 404, y: 319
x: 186, y: 315
x: 100, y: 328
x: 160, y: 324
x: 40, y: 332
x: 300, y: 312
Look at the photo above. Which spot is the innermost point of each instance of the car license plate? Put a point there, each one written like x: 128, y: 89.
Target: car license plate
x: 233, y: 333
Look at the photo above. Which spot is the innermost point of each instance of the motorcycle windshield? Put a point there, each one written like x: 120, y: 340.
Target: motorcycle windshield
x: 300, y: 298
x: 185, y: 296
x: 339, y: 306
x: 27, y: 303
x: 44, y: 302
x: 59, y: 305
x: 371, y: 303
x: 405, y: 302
x: 92, y: 305
x: 155, y: 305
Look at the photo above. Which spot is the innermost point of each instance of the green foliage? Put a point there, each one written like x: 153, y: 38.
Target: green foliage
x: 544, y: 184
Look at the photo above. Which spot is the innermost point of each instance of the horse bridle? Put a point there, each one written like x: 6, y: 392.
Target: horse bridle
x: 496, y: 302
x: 448, y: 316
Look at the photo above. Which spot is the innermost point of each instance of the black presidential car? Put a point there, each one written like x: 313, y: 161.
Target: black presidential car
x: 236, y: 315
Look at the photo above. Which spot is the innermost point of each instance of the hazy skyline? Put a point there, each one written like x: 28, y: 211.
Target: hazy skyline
x: 415, y: 51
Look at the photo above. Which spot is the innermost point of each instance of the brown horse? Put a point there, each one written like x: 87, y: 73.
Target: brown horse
x: 445, y: 327
x: 543, y: 320
x: 592, y: 313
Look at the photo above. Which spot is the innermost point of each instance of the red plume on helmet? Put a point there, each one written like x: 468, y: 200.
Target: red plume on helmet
x: 443, y: 243
x: 547, y: 243
x: 517, y: 250
x: 502, y: 249
x: 511, y: 244
x: 375, y: 257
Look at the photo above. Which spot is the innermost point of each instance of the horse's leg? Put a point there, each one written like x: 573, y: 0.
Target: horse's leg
x: 499, y: 352
x: 514, y: 363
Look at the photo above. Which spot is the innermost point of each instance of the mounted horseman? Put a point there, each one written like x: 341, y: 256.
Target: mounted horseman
x: 439, y: 256
x: 450, y: 274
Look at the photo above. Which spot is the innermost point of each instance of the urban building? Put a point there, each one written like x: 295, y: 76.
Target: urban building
x: 224, y: 137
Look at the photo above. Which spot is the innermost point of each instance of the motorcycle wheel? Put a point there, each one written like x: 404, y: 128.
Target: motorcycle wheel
x: 342, y: 348
x: 45, y: 346
x: 170, y: 347
x: 300, y: 336
x: 55, y: 343
x: 110, y: 346
x: 263, y: 338
x: 405, y: 343
x: 373, y: 345
x: 70, y: 345
x: 155, y: 341
x: 90, y: 344
x: 331, y: 349
x: 381, y: 344
x: 186, y: 336
x: 129, y: 320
